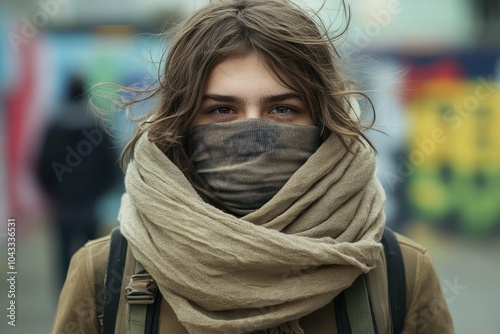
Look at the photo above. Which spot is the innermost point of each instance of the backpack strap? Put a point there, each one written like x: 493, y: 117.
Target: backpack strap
x: 153, y: 315
x: 353, y: 309
x: 143, y: 302
x: 141, y: 293
x: 116, y: 263
x: 359, y: 307
x: 396, y: 279
x: 343, y: 323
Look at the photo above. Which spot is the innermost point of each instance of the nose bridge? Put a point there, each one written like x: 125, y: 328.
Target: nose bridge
x: 253, y: 110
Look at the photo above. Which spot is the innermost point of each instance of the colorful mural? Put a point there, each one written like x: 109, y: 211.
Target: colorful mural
x: 45, y: 64
x: 453, y: 157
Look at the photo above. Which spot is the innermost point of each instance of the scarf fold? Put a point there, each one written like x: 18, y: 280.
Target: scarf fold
x: 262, y: 272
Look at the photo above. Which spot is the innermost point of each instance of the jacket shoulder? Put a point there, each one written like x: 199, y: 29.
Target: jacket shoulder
x: 426, y: 308
x: 97, y: 258
x: 78, y: 307
x: 409, y: 245
x: 99, y: 243
x: 413, y: 255
x: 97, y: 254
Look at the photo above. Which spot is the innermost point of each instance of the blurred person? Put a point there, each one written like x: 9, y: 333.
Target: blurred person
x: 76, y: 166
x: 251, y: 198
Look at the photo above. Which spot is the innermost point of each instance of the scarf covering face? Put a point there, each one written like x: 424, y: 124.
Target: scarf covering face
x: 264, y: 271
x: 247, y: 162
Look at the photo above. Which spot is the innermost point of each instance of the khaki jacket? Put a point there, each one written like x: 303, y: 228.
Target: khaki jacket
x: 80, y: 303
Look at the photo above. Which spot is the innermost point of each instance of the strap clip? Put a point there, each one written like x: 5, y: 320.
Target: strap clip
x: 141, y: 289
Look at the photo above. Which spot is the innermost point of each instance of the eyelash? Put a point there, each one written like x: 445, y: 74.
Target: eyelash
x: 214, y: 108
x: 291, y: 109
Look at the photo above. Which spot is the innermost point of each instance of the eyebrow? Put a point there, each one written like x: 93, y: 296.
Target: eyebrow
x: 265, y: 99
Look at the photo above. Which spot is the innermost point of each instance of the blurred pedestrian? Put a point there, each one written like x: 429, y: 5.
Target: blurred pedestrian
x: 76, y: 166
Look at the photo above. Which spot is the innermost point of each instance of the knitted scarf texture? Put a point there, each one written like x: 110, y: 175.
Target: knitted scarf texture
x: 246, y: 162
x: 262, y: 272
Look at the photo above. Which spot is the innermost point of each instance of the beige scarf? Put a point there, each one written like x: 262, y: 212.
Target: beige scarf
x: 264, y: 271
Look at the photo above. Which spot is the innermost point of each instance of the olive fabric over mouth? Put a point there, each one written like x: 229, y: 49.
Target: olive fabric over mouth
x: 245, y: 163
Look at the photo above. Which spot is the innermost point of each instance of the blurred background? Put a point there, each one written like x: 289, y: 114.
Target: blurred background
x: 431, y: 67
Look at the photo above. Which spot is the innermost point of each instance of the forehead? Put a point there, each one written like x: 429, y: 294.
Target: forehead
x: 246, y: 72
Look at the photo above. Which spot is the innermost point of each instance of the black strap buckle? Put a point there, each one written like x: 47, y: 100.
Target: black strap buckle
x: 141, y: 289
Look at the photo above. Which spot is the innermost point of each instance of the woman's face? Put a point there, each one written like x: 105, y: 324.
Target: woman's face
x: 242, y: 87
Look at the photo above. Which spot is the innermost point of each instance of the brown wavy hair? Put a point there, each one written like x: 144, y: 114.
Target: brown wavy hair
x: 293, y: 44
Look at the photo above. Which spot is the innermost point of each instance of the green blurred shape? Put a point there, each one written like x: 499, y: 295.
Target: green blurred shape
x: 473, y: 195
x: 480, y: 203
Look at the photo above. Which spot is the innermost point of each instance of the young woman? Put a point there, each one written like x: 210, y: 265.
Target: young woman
x: 251, y: 198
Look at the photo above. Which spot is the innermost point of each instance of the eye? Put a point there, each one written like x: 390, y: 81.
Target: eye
x: 283, y: 110
x: 221, y: 110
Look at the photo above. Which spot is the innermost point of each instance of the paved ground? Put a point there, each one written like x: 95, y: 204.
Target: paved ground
x: 470, y: 276
x: 469, y: 272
